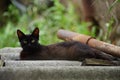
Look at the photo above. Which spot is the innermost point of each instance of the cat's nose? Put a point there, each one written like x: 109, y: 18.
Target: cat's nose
x: 29, y: 44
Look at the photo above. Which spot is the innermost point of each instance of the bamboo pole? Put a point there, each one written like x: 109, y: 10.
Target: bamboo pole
x: 100, y: 45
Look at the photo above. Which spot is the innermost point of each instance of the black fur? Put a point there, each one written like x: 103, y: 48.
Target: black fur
x: 72, y: 50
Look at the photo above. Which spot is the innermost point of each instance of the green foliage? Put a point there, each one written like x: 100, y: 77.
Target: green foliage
x: 8, y: 36
x: 12, y: 14
x: 49, y: 22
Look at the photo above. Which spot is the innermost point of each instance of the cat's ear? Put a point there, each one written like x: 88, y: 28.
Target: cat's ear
x: 35, y: 33
x: 20, y: 34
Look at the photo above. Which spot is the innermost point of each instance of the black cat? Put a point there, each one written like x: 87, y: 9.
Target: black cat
x: 71, y: 50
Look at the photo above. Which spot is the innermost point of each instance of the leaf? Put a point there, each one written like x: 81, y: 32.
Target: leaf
x: 118, y: 0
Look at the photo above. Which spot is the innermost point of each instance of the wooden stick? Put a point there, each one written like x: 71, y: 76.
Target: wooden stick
x: 100, y: 45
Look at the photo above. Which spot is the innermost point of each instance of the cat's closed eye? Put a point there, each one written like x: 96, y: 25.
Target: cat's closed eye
x: 32, y: 41
x: 25, y: 42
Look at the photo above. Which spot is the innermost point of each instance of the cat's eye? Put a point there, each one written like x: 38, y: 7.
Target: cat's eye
x: 25, y: 42
x: 33, y: 41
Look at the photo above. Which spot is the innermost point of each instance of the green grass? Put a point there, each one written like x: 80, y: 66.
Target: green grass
x: 49, y: 22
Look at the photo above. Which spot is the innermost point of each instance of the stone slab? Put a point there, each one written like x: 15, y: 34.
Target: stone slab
x: 10, y: 53
x: 60, y: 73
x: 41, y: 63
x: 52, y: 70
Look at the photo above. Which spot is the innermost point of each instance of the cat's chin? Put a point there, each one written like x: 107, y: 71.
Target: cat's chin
x: 30, y: 48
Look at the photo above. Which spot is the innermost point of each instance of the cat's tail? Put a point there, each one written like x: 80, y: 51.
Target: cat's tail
x: 101, y: 55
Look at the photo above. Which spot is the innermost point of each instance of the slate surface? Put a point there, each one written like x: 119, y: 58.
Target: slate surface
x: 52, y: 69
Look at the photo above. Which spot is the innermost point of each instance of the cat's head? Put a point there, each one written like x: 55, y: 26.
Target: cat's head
x: 29, y: 41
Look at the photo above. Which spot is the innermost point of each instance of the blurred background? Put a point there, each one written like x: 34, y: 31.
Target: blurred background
x: 97, y: 18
